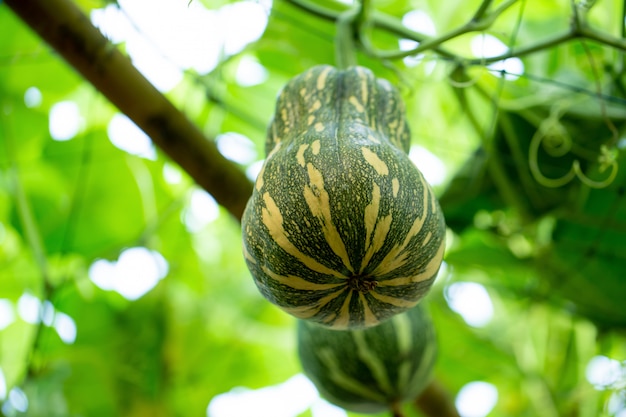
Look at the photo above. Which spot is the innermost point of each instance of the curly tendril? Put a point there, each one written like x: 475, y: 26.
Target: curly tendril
x: 557, y: 142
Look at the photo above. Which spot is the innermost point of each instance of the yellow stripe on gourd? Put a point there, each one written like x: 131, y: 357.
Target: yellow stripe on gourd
x: 402, y: 325
x: 319, y: 127
x: 248, y: 256
x: 368, y: 316
x: 297, y: 283
x: 308, y: 311
x: 380, y: 236
x: 345, y: 381
x: 371, y: 215
x: 315, y: 106
x: 259, y: 179
x: 403, y: 332
x: 395, y: 186
x: 342, y: 319
x: 315, y: 147
x: 428, y: 356
x: 376, y: 163
x: 398, y: 302
x: 284, y: 116
x: 404, y: 374
x: 272, y: 218
x: 427, y: 238
x: 300, y: 155
x: 400, y: 130
x: 397, y: 256
x: 429, y: 270
x: 357, y: 104
x: 318, y: 200
x: 321, y: 79
x: 372, y: 361
x: 433, y: 202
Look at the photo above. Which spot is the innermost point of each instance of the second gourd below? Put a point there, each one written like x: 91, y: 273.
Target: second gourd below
x: 370, y: 370
x: 342, y: 229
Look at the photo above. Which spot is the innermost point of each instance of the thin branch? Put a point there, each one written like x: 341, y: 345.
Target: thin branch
x: 61, y: 24
x: 489, y: 19
x: 579, y: 32
x: 518, y: 25
x: 479, y: 22
x: 482, y: 10
x: 485, y: 20
x: 378, y: 19
x: 540, y: 46
x: 603, y: 38
x: 394, y: 26
x: 317, y: 10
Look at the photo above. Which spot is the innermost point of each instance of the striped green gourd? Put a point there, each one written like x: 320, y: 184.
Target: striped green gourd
x: 370, y: 370
x: 341, y: 228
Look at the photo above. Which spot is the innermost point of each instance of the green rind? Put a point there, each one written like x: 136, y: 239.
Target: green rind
x: 383, y: 108
x: 366, y: 371
x: 338, y: 202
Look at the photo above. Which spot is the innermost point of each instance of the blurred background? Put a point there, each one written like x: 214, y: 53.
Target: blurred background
x: 123, y: 290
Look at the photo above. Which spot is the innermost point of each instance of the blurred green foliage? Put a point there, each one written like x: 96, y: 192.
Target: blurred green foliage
x: 553, y: 260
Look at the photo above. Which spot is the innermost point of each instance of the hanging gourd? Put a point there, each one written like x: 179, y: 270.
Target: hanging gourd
x: 341, y: 228
x: 370, y: 370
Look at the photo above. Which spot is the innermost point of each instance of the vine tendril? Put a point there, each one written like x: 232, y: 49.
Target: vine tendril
x: 557, y: 142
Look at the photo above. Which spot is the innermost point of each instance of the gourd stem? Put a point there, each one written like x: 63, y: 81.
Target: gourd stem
x: 345, y: 51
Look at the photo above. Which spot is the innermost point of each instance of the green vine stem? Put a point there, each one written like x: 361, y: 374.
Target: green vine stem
x: 392, y: 25
x: 345, y: 49
x: 479, y: 22
x: 577, y: 33
x: 482, y: 9
x: 376, y: 19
